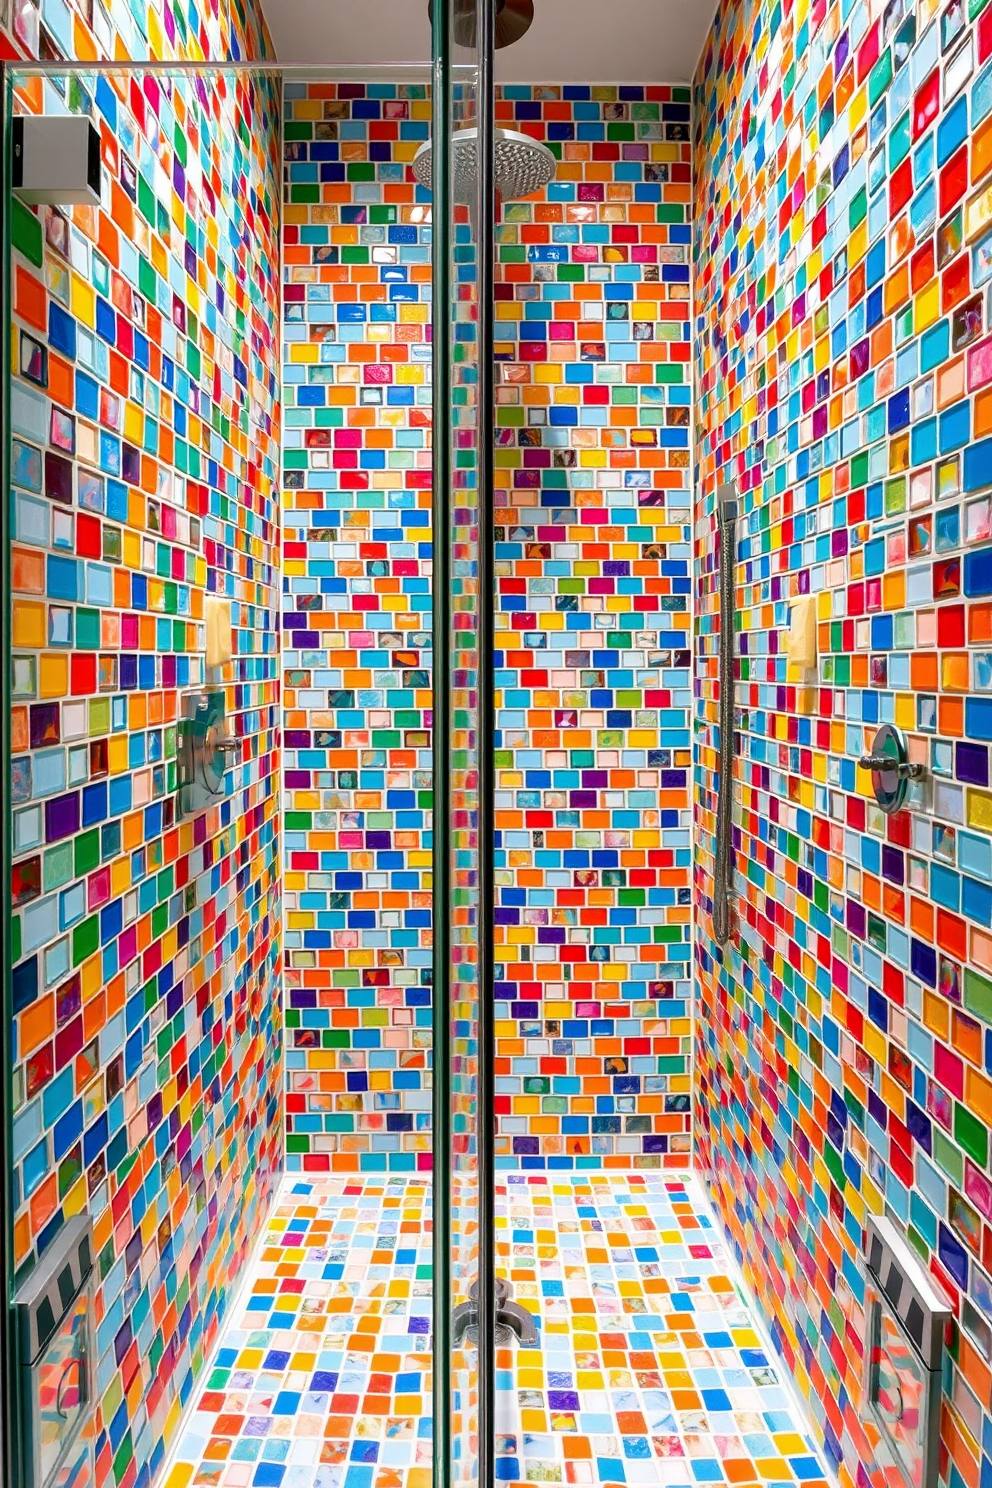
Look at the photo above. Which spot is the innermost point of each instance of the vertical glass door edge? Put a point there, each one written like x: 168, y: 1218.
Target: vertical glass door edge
x: 9, y: 1401
x: 440, y: 775
x: 462, y: 242
x: 486, y: 208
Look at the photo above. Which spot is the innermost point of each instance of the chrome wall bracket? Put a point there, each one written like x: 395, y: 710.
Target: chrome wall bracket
x: 906, y: 1320
x: 891, y: 768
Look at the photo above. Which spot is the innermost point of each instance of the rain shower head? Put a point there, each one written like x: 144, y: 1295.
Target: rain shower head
x: 523, y: 164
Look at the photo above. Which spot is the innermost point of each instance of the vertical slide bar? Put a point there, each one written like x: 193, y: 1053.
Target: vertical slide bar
x: 723, y: 872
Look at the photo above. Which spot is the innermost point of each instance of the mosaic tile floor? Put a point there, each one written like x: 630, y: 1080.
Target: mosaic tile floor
x: 649, y: 1369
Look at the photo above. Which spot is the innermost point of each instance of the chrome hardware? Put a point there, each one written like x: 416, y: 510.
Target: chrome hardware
x: 891, y: 768
x: 906, y: 1319
x: 224, y: 744
x: 206, y: 751
x: 723, y: 870
x: 883, y: 762
x: 511, y: 1318
x: 53, y: 1310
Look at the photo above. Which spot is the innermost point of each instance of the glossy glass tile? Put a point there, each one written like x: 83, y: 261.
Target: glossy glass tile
x: 648, y: 1368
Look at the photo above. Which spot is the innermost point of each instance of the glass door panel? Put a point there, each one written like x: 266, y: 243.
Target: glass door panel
x: 143, y: 400
x: 462, y: 227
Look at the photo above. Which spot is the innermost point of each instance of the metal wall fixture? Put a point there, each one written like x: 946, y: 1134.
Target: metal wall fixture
x: 54, y: 1317
x: 891, y: 768
x: 906, y: 1319
x: 56, y: 160
x: 204, y: 750
x: 723, y: 871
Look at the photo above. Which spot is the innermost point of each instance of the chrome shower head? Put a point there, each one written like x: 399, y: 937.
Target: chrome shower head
x: 523, y: 164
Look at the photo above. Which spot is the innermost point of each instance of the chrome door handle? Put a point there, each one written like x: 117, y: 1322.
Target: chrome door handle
x: 74, y: 1366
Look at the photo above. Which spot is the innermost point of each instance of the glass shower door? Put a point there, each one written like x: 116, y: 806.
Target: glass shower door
x: 463, y: 215
x: 142, y: 874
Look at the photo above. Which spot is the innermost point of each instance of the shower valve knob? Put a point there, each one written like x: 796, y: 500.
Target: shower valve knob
x: 891, y: 768
x: 884, y: 763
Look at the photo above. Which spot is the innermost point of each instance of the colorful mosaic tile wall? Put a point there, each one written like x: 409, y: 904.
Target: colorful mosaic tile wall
x: 593, y: 553
x: 357, y: 474
x: 145, y: 425
x: 843, y: 259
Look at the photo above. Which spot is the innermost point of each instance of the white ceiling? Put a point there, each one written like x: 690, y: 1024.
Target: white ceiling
x: 571, y: 41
